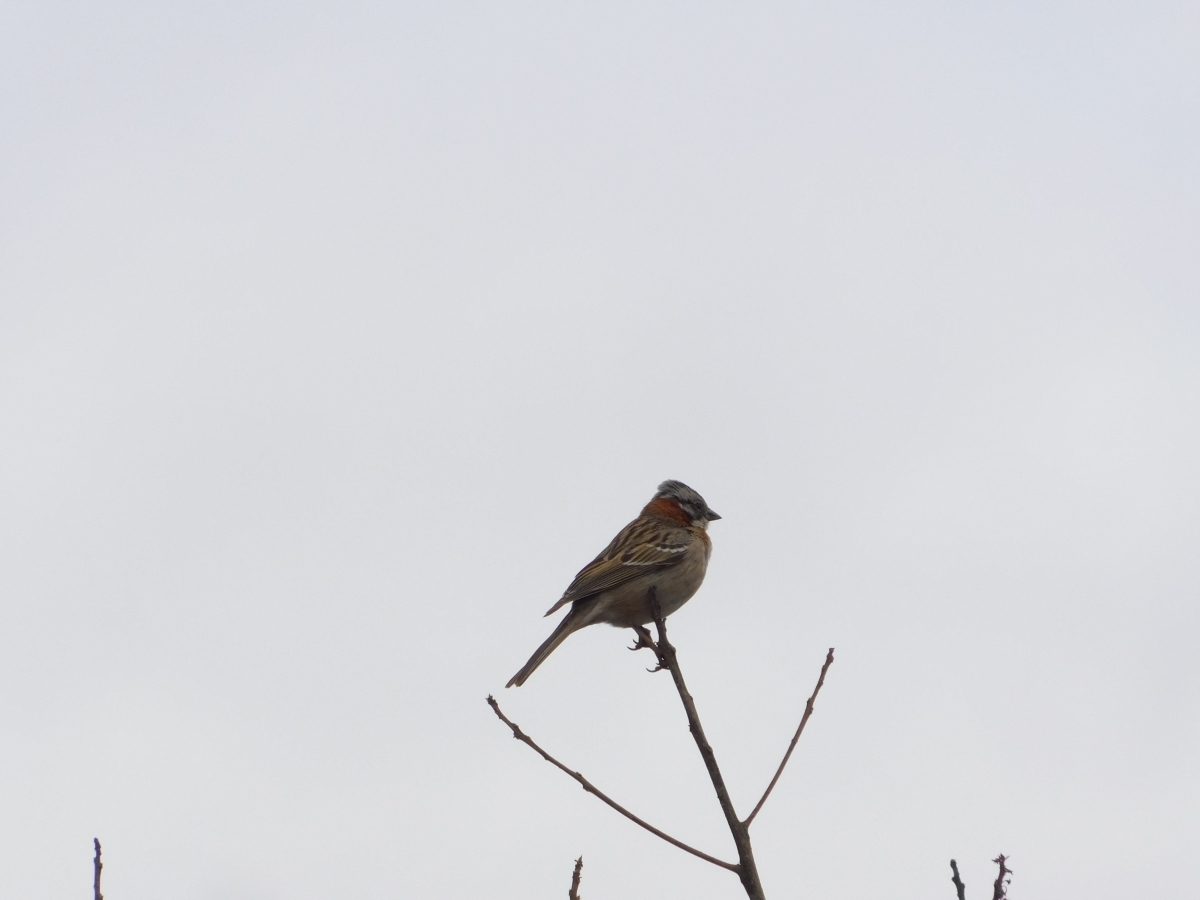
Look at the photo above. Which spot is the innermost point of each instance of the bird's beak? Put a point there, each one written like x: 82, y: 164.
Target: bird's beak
x: 711, y: 516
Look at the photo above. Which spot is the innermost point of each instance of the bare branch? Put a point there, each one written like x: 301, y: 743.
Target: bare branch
x: 746, y: 868
x: 574, y: 893
x: 808, y: 710
x: 98, y: 866
x: 1000, y: 886
x: 591, y: 789
x: 958, y: 884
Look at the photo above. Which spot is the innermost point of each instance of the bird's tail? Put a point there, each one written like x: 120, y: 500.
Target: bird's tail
x: 569, y: 623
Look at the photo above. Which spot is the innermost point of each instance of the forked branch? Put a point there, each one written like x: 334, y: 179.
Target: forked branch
x: 808, y: 710
x: 592, y: 789
x: 746, y: 868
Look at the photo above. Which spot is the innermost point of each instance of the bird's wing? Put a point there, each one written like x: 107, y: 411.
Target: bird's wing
x: 642, y: 546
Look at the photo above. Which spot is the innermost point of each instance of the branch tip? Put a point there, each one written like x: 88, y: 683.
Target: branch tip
x: 574, y: 892
x: 808, y: 711
x: 98, y: 866
x: 959, y: 887
x: 1000, y: 885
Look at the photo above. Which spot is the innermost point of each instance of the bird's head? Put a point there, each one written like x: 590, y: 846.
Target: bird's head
x: 689, y: 501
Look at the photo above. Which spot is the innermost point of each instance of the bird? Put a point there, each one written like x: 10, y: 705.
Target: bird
x: 665, y: 548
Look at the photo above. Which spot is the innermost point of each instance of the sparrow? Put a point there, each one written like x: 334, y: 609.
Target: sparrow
x: 665, y: 548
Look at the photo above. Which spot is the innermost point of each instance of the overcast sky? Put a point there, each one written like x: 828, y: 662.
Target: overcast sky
x: 336, y: 338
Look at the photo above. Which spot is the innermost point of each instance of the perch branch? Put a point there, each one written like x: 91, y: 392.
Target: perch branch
x: 958, y: 883
x: 574, y: 893
x: 746, y: 869
x: 591, y: 789
x: 808, y: 710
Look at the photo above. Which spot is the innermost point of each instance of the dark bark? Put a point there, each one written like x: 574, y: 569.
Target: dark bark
x: 97, y: 865
x: 747, y: 870
x: 958, y: 883
x: 573, y: 894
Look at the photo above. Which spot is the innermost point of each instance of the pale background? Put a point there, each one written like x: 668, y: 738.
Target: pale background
x: 337, y: 337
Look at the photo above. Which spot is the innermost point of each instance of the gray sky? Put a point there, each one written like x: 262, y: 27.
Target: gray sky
x: 336, y: 338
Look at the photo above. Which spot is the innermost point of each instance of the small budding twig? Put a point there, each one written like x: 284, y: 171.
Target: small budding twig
x: 1000, y: 886
x: 98, y: 866
x: 958, y: 883
x: 574, y: 892
x: 592, y: 789
x: 808, y: 710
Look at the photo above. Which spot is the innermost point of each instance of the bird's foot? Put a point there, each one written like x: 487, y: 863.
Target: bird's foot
x: 645, y: 641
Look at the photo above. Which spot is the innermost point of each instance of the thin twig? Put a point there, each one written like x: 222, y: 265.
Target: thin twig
x: 808, y: 710
x: 958, y: 884
x: 591, y: 789
x: 1000, y: 886
x: 746, y: 869
x: 574, y: 893
x: 98, y: 866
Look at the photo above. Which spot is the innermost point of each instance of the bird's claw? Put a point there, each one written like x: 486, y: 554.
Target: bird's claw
x: 646, y: 642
